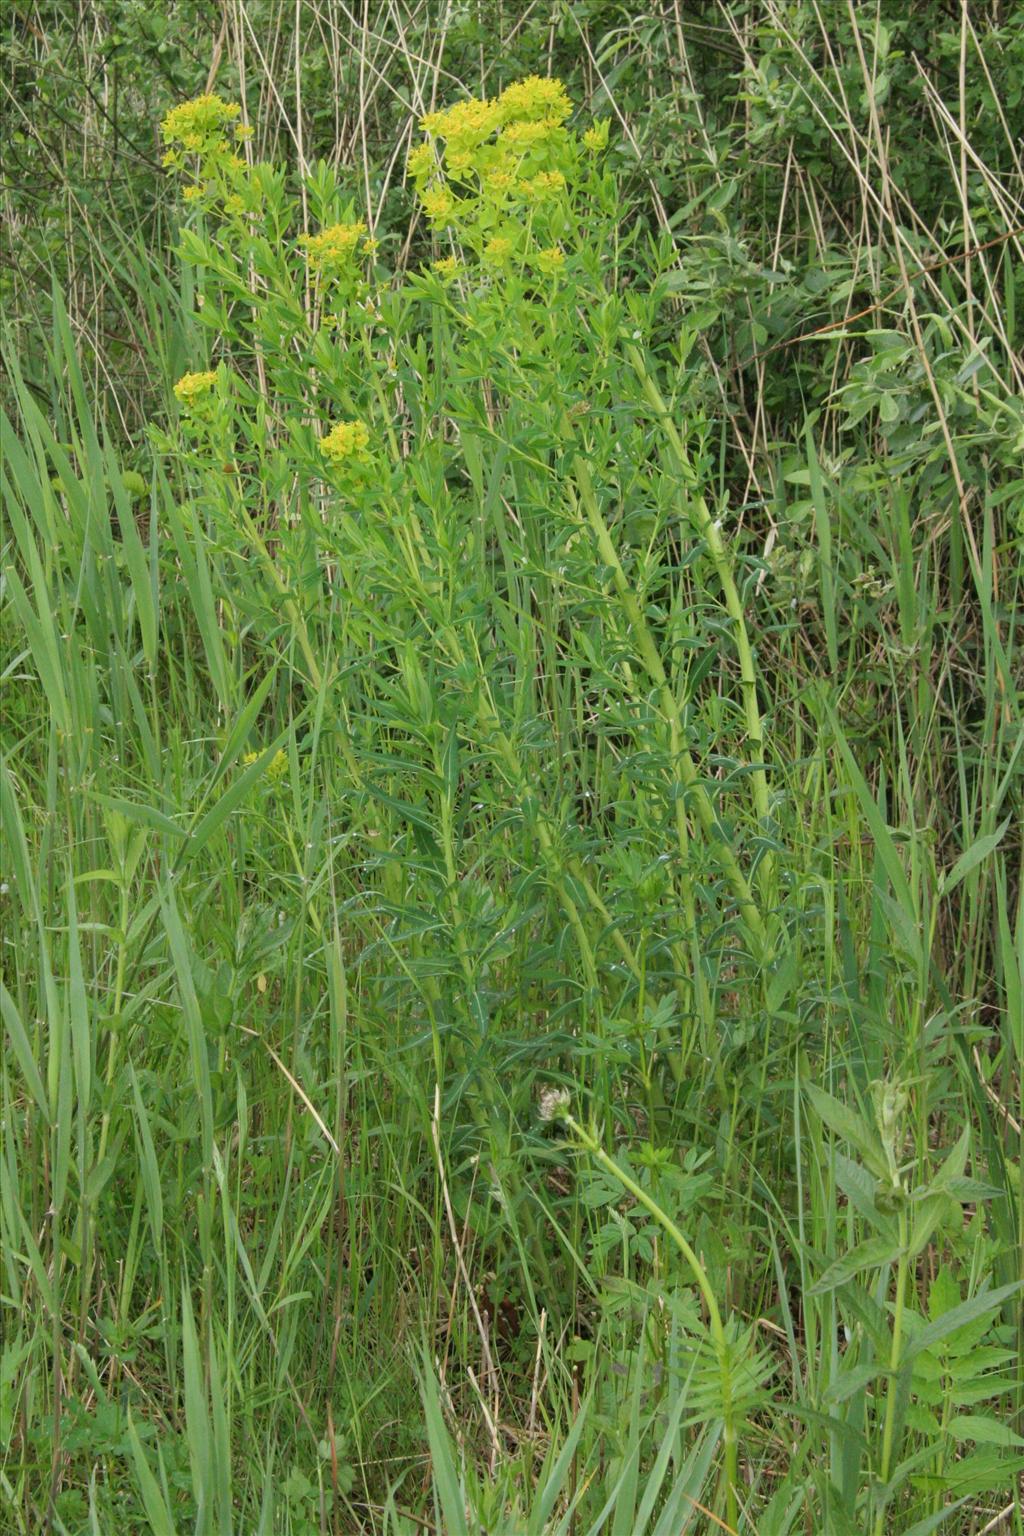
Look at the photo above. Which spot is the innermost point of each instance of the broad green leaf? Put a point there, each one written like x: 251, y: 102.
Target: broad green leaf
x: 927, y: 1213
x: 149, y: 1165
x: 971, y: 858
x: 870, y: 1254
x: 850, y: 1126
x: 984, y: 1303
x: 18, y: 1036
x: 446, y: 1477
x: 143, y: 815
x: 157, y: 1513
x: 232, y: 797
x: 983, y: 1430
x: 881, y: 833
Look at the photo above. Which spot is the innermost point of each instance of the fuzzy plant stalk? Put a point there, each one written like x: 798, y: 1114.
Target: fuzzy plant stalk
x: 730, y: 1439
x: 895, y: 1350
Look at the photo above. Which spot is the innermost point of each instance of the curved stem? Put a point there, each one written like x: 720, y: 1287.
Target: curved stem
x: 717, y: 1327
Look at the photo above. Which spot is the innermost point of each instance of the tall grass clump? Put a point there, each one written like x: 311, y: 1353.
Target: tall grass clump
x: 514, y: 945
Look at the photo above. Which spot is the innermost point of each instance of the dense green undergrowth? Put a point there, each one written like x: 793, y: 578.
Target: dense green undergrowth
x: 513, y: 937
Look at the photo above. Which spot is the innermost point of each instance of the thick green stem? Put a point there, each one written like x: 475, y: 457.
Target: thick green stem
x: 122, y: 958
x: 895, y: 1350
x: 717, y: 1327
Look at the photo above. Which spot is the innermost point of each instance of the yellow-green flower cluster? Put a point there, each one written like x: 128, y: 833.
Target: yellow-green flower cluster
x: 345, y: 442
x: 535, y: 100
x: 438, y: 204
x: 421, y: 161
x: 550, y: 261
x: 276, y: 768
x: 596, y: 138
x: 521, y: 136
x: 498, y: 251
x: 194, y: 124
x: 201, y: 136
x: 546, y: 184
x: 191, y: 388
x: 192, y: 121
x: 496, y: 168
x: 331, y: 251
x: 489, y: 138
x: 466, y: 124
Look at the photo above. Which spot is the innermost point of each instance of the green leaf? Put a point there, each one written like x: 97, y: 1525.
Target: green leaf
x: 233, y: 796
x: 927, y: 1213
x: 446, y: 1476
x: 239, y: 732
x: 983, y: 1304
x: 870, y: 1254
x: 956, y: 1161
x: 883, y: 838
x: 143, y: 815
x: 157, y: 1512
x: 851, y: 1126
x: 823, y: 528
x: 983, y: 1430
x: 18, y: 1036
x: 197, y: 1418
x: 971, y: 858
x: 149, y: 1165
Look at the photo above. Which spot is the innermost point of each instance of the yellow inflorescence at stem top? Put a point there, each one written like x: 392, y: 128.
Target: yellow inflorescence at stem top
x: 524, y: 115
x: 277, y: 766
x: 499, y: 158
x: 191, y: 123
x: 331, y: 250
x: 347, y: 440
x: 193, y: 386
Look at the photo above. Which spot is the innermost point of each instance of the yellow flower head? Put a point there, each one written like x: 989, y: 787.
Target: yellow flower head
x: 544, y: 185
x: 464, y: 125
x: 521, y: 136
x: 447, y: 268
x: 195, y: 123
x: 193, y: 387
x: 498, y: 250
x: 596, y: 138
x: 421, y: 160
x: 330, y: 250
x: 346, y: 440
x: 438, y: 204
x: 534, y: 99
x: 276, y: 768
x: 551, y: 260
x: 192, y: 194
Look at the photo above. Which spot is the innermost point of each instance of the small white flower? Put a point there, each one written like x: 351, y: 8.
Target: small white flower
x: 553, y: 1103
